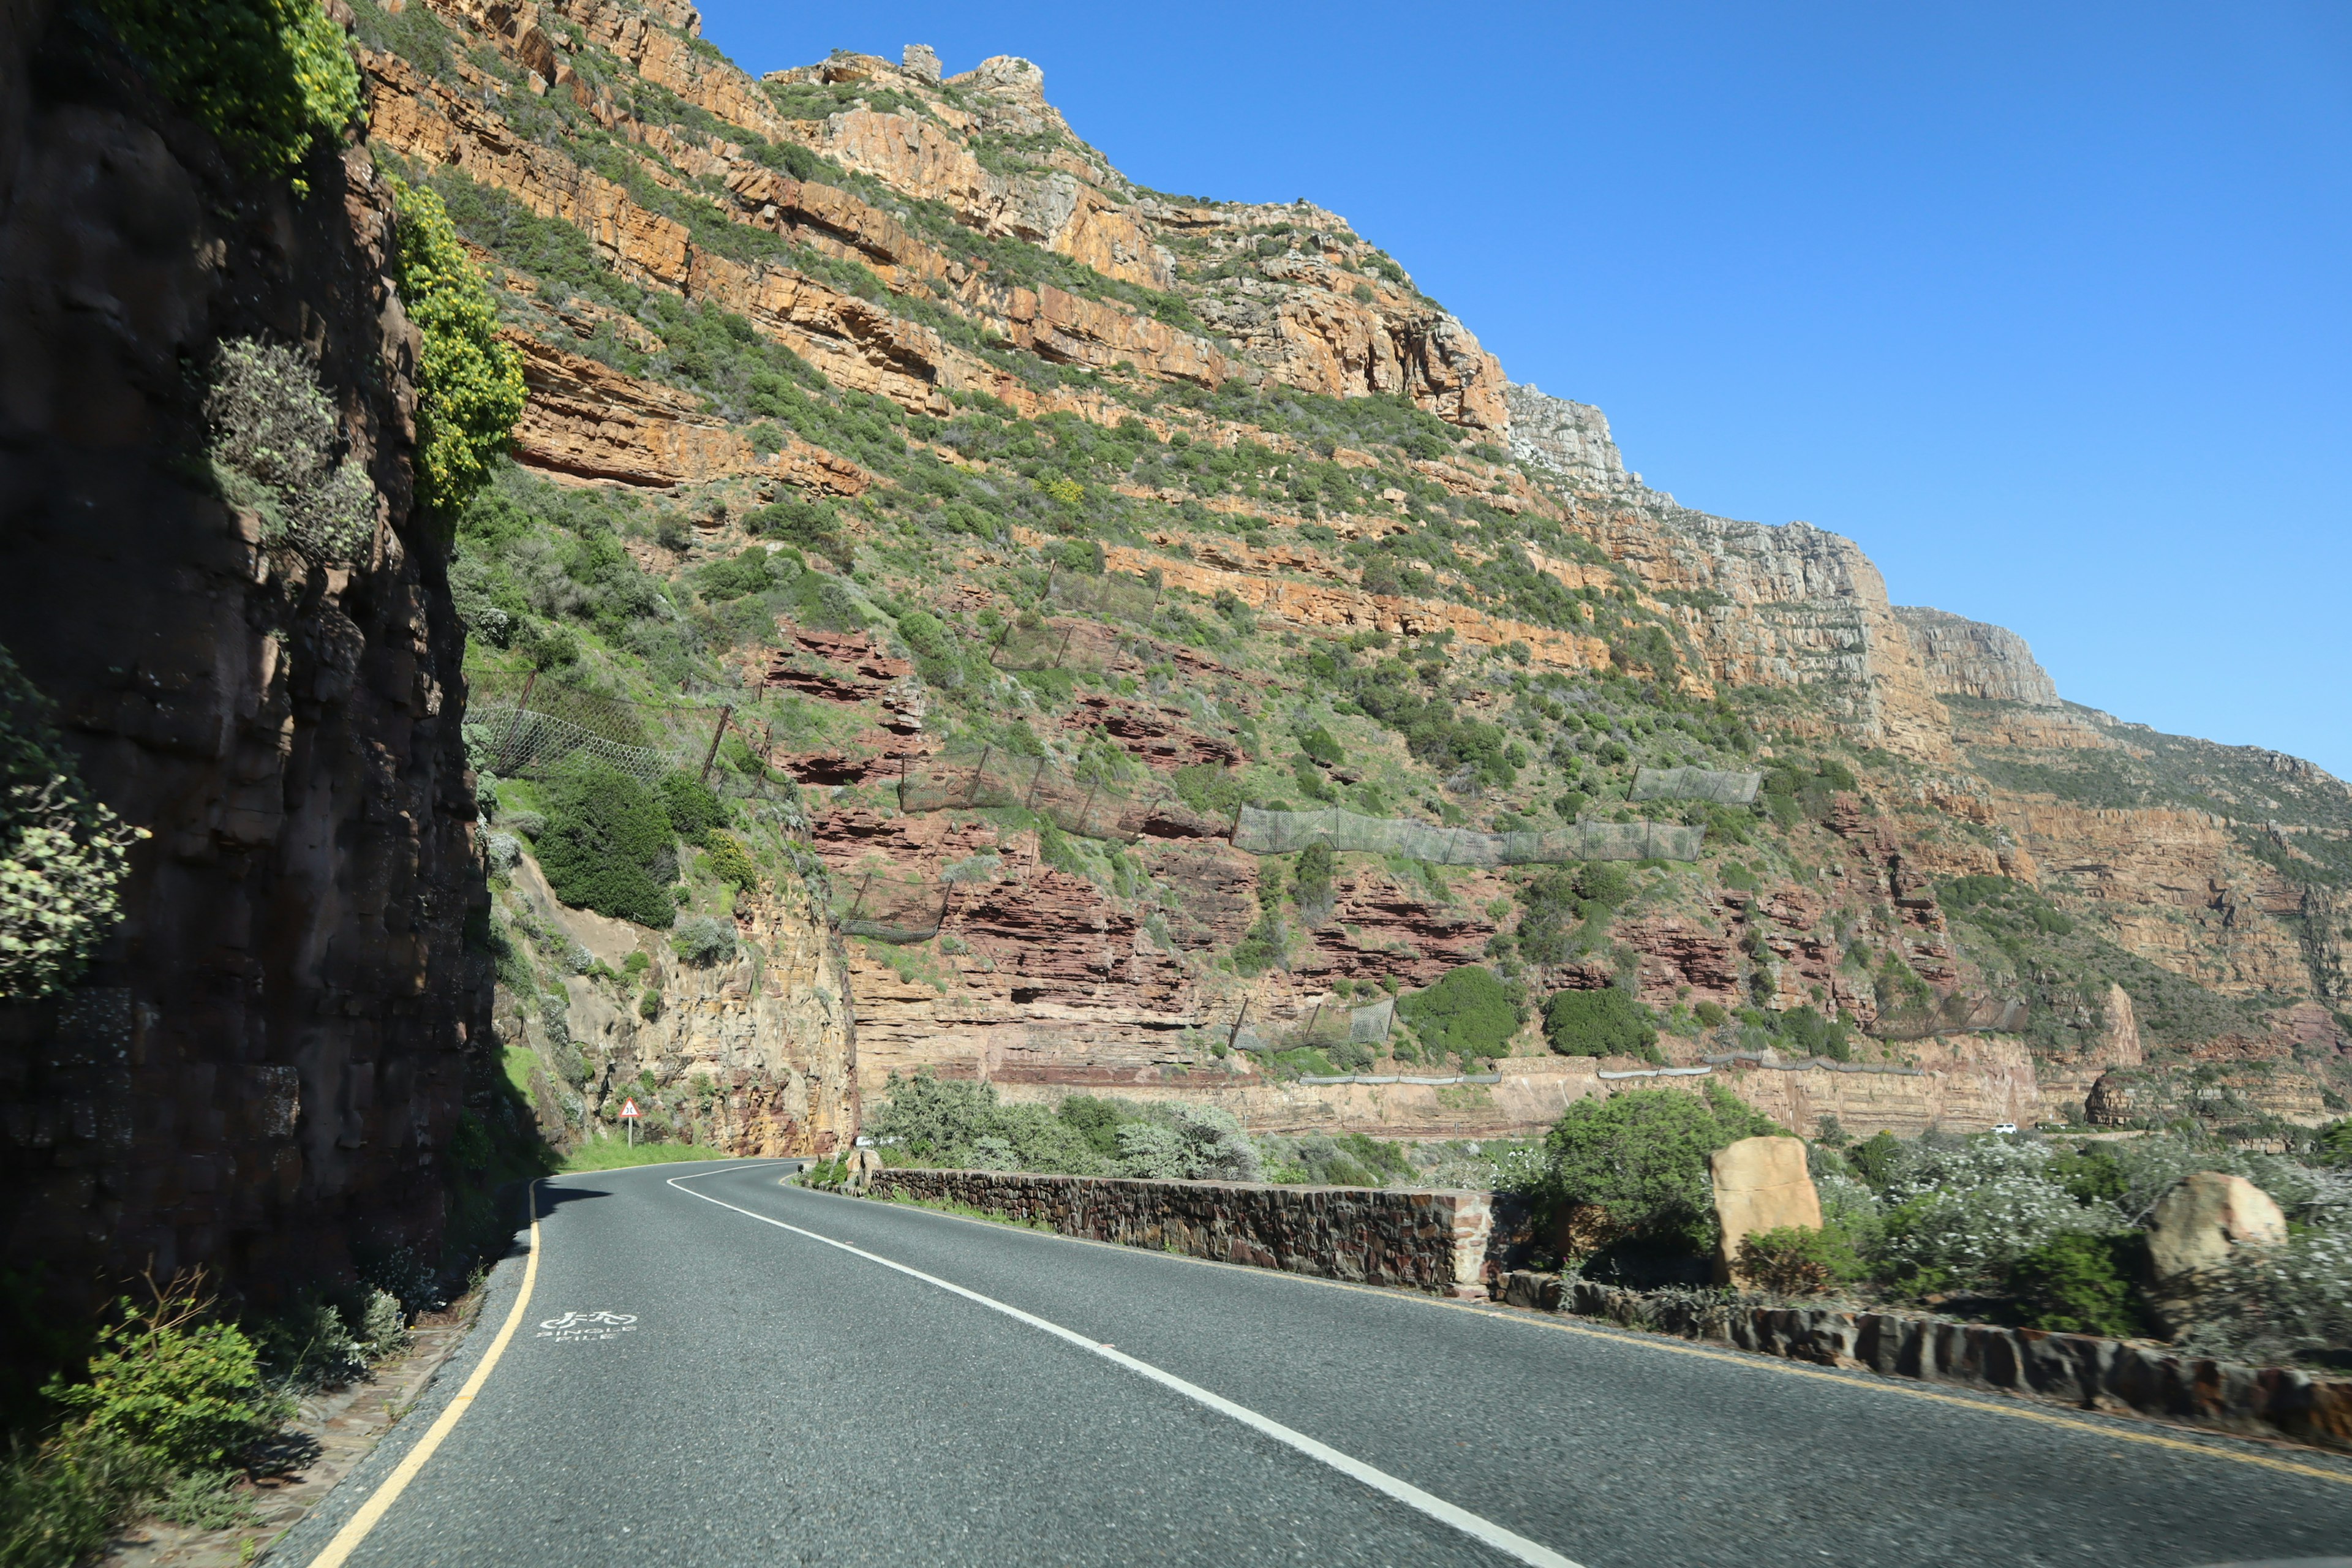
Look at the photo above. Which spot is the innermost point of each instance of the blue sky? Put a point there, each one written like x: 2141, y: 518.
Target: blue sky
x: 2048, y: 307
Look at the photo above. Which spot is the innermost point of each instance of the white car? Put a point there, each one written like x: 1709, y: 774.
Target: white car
x: 2004, y: 1127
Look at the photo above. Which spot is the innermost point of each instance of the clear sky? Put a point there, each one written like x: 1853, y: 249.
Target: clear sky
x: 2050, y: 306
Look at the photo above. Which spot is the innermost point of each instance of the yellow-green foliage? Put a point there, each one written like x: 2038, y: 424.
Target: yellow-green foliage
x: 469, y: 386
x: 730, y: 861
x: 266, y: 76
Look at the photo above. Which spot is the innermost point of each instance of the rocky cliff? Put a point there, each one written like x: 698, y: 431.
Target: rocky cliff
x: 1198, y: 503
x: 264, y: 1070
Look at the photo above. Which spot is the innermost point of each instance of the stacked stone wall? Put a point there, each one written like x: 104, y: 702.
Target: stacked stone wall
x: 1434, y: 1241
x: 2120, y: 1376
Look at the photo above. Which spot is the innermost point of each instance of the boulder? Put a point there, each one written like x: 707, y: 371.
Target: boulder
x: 862, y: 1163
x: 2193, y: 1228
x: 1760, y: 1184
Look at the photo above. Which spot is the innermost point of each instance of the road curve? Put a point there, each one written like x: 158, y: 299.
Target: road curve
x: 778, y: 1400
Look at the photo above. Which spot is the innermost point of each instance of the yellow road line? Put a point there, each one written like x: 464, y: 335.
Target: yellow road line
x: 372, y: 1510
x: 1990, y: 1402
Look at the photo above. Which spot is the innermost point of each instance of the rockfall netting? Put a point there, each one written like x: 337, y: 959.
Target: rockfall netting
x: 889, y: 911
x: 1324, y: 1026
x: 520, y: 724
x: 1115, y: 594
x: 1694, y: 783
x: 1286, y: 832
x: 1055, y: 645
x: 993, y: 778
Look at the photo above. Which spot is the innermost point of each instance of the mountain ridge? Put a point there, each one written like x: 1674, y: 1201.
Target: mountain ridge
x: 982, y: 353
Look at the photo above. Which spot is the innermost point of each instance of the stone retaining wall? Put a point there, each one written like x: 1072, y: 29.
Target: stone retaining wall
x: 1420, y: 1240
x: 2080, y: 1370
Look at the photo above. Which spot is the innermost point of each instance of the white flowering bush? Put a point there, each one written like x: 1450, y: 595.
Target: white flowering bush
x: 1958, y: 1217
x: 2270, y: 1304
x: 63, y: 855
x: 273, y: 451
x: 1195, y: 1143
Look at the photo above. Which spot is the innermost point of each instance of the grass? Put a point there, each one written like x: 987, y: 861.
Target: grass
x: 615, y: 1154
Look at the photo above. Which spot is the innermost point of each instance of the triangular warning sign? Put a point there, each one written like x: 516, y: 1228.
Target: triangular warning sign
x: 629, y: 1110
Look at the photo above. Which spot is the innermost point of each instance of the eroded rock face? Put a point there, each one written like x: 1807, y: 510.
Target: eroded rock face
x: 770, y: 1031
x: 265, y: 1067
x: 1572, y: 439
x: 1969, y: 659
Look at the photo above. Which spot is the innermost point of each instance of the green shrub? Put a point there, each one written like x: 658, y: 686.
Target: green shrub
x: 2079, y: 1284
x: 273, y: 435
x: 1643, y: 1157
x: 1605, y: 1023
x: 187, y: 1390
x: 693, y: 810
x: 1097, y: 1120
x: 61, y: 1501
x: 1311, y: 882
x: 1797, y: 1260
x: 63, y: 855
x: 469, y: 388
x: 1469, y: 1012
x: 608, y: 837
x: 702, y: 940
x: 731, y: 862
x: 266, y: 76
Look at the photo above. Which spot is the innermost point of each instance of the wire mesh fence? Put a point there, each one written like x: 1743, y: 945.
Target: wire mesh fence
x: 1694, y: 783
x: 1287, y: 832
x: 1055, y: 645
x: 887, y: 909
x: 1118, y: 593
x: 523, y: 723
x: 991, y: 778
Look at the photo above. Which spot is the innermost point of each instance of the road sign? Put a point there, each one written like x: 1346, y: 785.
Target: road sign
x: 629, y: 1112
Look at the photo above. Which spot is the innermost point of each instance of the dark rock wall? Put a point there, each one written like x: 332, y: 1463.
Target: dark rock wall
x: 264, y: 1069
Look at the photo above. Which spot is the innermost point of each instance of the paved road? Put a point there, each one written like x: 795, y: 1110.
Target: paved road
x: 780, y: 1400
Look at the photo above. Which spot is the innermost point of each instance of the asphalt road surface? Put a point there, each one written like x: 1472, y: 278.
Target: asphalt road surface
x: 776, y: 1398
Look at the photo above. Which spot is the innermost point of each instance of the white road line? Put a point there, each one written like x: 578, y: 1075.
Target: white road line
x: 1436, y: 1507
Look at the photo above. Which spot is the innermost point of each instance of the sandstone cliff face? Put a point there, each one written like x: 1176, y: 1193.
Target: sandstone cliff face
x: 264, y: 1068
x: 756, y: 1054
x: 1969, y: 659
x: 1570, y: 439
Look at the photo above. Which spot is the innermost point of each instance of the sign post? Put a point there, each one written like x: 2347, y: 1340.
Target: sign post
x: 629, y: 1114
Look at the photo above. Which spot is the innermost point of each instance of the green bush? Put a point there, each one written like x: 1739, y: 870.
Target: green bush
x: 1643, y: 1157
x: 187, y: 1390
x: 702, y: 940
x: 469, y: 388
x: 1797, y: 1260
x: 272, y: 451
x: 731, y: 862
x: 63, y: 855
x: 266, y: 76
x: 693, y: 810
x: 63, y: 1500
x: 1311, y: 882
x: 1469, y: 1012
x: 1605, y: 1023
x: 608, y: 844
x: 2079, y: 1284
